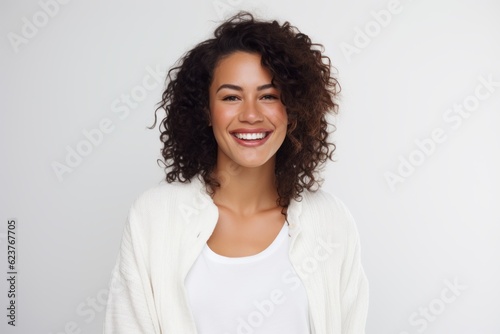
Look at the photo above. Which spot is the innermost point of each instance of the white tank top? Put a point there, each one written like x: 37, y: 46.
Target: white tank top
x: 260, y: 293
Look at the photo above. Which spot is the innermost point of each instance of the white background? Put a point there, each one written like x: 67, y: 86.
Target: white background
x: 438, y: 225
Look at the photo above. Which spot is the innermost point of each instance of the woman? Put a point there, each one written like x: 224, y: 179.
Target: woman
x: 240, y: 239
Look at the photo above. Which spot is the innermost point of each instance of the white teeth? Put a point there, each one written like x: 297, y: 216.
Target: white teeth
x: 250, y: 136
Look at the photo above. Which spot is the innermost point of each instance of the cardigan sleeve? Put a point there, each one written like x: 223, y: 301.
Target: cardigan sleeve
x: 354, y: 291
x: 130, y: 307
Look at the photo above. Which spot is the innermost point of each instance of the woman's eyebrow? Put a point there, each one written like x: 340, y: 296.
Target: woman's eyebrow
x: 266, y: 86
x: 230, y: 87
x: 238, y: 88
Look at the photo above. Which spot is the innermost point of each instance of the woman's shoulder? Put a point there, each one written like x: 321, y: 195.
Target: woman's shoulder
x: 167, y: 195
x: 324, y: 200
x: 324, y: 206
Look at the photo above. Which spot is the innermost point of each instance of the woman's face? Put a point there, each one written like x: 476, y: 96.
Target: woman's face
x: 248, y: 119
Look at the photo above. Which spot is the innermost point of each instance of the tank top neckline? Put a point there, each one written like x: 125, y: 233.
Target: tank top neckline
x: 213, y: 256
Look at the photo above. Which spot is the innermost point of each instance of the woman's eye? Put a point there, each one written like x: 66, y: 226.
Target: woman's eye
x: 230, y: 98
x: 269, y: 97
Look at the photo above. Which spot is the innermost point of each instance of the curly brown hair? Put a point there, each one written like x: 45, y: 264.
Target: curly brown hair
x: 308, y: 91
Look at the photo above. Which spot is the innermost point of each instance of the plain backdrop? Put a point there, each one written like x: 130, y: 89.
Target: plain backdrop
x: 417, y: 160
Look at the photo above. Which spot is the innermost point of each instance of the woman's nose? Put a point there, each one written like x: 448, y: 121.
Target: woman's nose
x: 250, y: 112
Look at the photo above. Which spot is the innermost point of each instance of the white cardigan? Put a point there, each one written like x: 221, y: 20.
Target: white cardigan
x: 169, y: 224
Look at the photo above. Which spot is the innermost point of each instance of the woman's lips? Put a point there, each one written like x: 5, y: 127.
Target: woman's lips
x: 251, y: 138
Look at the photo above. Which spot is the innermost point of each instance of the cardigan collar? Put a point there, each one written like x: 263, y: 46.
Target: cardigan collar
x: 203, y: 202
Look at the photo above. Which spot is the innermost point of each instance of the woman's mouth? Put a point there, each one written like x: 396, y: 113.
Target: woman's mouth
x: 251, y: 138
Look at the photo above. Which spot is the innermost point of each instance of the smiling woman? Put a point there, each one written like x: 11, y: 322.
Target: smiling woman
x: 240, y: 238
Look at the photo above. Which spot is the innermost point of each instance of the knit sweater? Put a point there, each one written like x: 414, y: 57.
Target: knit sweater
x: 166, y: 229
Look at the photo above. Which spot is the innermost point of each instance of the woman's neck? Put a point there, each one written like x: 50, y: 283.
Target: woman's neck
x: 244, y: 190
